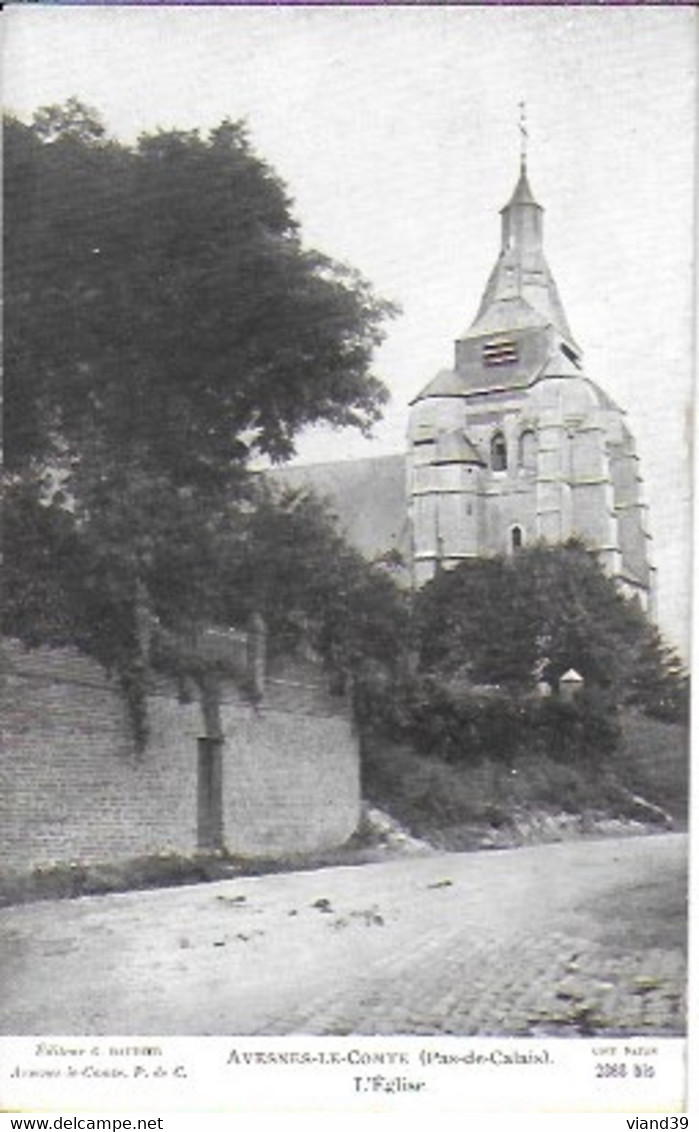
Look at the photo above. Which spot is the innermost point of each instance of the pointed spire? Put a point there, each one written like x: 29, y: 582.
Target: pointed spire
x: 521, y: 291
x: 522, y: 215
x: 522, y: 193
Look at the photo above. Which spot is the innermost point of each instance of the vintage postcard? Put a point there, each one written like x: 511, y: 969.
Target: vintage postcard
x: 348, y: 488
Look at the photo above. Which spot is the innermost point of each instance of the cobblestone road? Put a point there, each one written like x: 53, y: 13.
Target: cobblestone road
x: 583, y: 937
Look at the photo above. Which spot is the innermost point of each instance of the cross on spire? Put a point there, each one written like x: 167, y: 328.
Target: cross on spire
x: 524, y: 135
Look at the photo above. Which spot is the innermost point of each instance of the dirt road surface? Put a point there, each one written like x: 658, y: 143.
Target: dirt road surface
x: 582, y: 937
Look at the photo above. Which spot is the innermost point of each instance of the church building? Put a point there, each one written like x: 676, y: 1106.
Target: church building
x: 514, y: 445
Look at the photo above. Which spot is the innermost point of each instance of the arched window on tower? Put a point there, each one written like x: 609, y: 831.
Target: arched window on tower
x: 527, y: 451
x: 516, y: 539
x: 498, y: 453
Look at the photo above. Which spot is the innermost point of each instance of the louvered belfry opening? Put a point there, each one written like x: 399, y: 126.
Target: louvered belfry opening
x: 500, y: 352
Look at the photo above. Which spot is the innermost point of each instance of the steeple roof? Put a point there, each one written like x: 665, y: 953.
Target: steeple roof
x: 521, y: 290
x: 522, y: 193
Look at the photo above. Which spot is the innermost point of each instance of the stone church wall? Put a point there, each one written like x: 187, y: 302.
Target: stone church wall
x: 73, y: 788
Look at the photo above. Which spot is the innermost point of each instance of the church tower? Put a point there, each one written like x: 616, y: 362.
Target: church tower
x: 516, y: 444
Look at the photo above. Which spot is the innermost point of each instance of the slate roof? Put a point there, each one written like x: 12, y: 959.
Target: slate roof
x: 559, y: 365
x: 606, y: 402
x: 446, y: 383
x: 454, y: 447
x: 368, y: 496
x: 506, y: 313
x: 520, y: 293
x: 522, y: 192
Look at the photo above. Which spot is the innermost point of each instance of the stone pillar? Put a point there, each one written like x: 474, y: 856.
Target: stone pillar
x: 257, y: 657
x: 570, y: 685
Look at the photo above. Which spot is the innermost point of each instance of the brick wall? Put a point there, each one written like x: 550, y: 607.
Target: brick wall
x: 290, y: 782
x: 72, y: 786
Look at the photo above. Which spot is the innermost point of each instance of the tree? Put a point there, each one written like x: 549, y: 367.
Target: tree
x: 164, y: 323
x: 296, y: 568
x: 160, y: 303
x: 513, y: 621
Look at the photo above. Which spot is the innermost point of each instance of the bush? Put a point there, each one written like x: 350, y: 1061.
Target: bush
x: 583, y: 731
x: 654, y: 761
x: 462, y: 724
x: 428, y: 794
x: 455, y: 806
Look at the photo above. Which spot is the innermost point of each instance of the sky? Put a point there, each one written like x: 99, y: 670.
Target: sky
x: 395, y: 131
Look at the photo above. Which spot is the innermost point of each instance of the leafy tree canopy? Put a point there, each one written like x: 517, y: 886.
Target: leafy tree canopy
x: 295, y: 566
x: 162, y: 308
x: 136, y: 585
x: 164, y: 323
x: 515, y: 621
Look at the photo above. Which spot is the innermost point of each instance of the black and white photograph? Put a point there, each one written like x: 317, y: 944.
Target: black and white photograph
x: 345, y: 661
